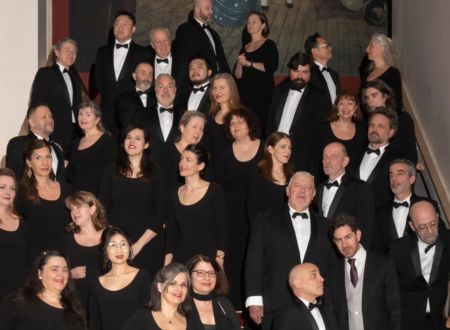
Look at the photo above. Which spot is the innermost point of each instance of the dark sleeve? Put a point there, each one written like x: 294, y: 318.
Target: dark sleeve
x: 106, y: 188
x: 365, y: 211
x: 183, y: 48
x: 94, y: 313
x: 14, y: 158
x: 254, y: 196
x: 124, y: 112
x: 8, y: 315
x: 137, y: 321
x: 230, y: 312
x: 99, y: 84
x: 159, y: 197
x: 392, y: 294
x: 38, y: 90
x: 254, y: 258
x: 394, y: 80
x: 271, y: 57
x: 145, y: 285
x: 172, y: 230
x: 409, y: 143
x: 282, y: 322
x: 220, y: 216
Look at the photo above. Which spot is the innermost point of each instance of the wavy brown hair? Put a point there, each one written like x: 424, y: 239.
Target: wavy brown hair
x: 235, y: 99
x: 86, y: 198
x: 266, y: 164
x: 345, y: 95
x: 222, y: 287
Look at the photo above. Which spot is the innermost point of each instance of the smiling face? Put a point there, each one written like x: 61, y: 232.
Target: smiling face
x: 281, y: 152
x: 192, y: 133
x: 54, y: 275
x: 118, y: 250
x: 239, y: 128
x: 67, y: 54
x: 40, y: 162
x: 221, y: 91
x: 300, y: 191
x: 346, y: 108
x: 82, y: 214
x: 204, y: 278
x: 161, y: 43
x: 41, y: 121
x: 165, y: 90
x: 134, y: 143
x: 175, y: 291
x: 7, y: 191
x: 87, y: 120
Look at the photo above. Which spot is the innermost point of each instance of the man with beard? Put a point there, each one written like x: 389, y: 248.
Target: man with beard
x: 199, y: 75
x: 423, y: 264
x: 297, y: 109
x: 373, y: 163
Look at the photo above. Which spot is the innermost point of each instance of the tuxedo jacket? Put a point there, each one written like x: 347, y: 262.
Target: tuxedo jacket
x: 15, y: 156
x: 273, y: 251
x: 105, y: 79
x: 414, y: 288
x: 311, y: 111
x: 379, y: 178
x: 381, y: 302
x: 204, y: 105
x: 297, y: 316
x: 353, y: 197
x: 50, y: 88
x: 319, y: 81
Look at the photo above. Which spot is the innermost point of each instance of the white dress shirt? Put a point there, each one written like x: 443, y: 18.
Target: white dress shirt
x: 196, y: 98
x: 290, y: 107
x: 330, y: 83
x: 119, y: 55
x: 369, y: 162
x: 328, y: 195
x: 162, y: 67
x: 400, y: 216
x: 426, y: 263
x: 165, y: 121
x: 315, y: 312
x: 69, y: 86
x: 143, y: 97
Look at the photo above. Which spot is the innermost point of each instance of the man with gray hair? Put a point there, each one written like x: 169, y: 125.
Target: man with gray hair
x: 163, y: 59
x: 282, y: 238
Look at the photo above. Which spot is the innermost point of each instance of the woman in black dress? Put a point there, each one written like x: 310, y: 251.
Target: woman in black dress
x: 267, y: 187
x: 257, y: 62
x: 82, y: 242
x: 93, y: 152
x: 122, y: 289
x: 197, y: 222
x: 40, y: 200
x: 15, y: 241
x: 211, y: 310
x: 134, y: 194
x: 47, y: 300
x: 168, y: 306
x: 234, y: 168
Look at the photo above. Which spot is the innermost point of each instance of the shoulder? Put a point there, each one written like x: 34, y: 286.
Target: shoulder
x: 19, y: 140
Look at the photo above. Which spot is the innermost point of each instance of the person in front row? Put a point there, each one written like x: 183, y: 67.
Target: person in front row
x: 306, y: 311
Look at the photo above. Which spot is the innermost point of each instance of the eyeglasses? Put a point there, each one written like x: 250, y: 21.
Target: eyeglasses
x: 203, y: 273
x: 428, y: 226
x: 326, y: 45
x: 176, y: 285
x: 118, y: 245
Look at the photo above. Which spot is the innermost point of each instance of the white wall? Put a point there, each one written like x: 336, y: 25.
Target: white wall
x: 421, y: 30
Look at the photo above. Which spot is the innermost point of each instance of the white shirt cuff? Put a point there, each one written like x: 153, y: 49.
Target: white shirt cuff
x: 254, y: 301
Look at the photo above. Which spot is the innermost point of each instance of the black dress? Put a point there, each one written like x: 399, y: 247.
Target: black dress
x: 200, y: 228
x: 256, y: 86
x: 404, y: 140
x: 174, y: 180
x: 235, y: 177
x: 142, y: 319
x: 16, y: 258
x: 110, y: 310
x: 137, y: 205
x: 86, y: 167
x: 215, y: 139
x: 47, y: 219
x: 79, y: 255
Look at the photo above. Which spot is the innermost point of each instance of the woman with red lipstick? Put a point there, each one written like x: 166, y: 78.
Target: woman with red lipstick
x: 47, y: 300
x: 15, y: 241
x: 211, y: 310
x: 121, y: 289
x: 93, y: 152
x: 168, y: 305
x: 40, y: 201
x: 134, y: 193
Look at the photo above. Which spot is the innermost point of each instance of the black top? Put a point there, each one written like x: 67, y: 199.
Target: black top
x: 109, y: 310
x: 37, y: 316
x: 142, y: 319
x: 16, y: 258
x: 256, y: 86
x: 47, y: 218
x: 214, y: 138
x: 224, y: 316
x: 200, y: 228
x: 86, y: 166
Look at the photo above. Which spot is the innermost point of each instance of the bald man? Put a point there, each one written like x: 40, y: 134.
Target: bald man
x: 423, y: 265
x: 305, y: 312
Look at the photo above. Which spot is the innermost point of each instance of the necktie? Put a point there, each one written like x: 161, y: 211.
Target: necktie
x: 200, y: 89
x: 397, y: 205
x: 303, y: 215
x: 353, y: 272
x: 121, y: 45
x: 332, y: 184
x: 169, y: 110
x: 162, y: 60
x: 428, y: 248
x: 143, y: 92
x: 311, y: 306
x: 376, y: 151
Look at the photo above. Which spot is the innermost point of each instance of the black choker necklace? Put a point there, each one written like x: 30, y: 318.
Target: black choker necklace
x: 202, y: 297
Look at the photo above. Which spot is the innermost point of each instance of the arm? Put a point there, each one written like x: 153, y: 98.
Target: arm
x: 220, y: 217
x: 254, y: 197
x: 392, y: 294
x: 14, y: 158
x: 106, y: 184
x: 172, y: 231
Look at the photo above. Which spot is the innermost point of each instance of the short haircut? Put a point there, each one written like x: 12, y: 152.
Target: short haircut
x: 303, y: 173
x: 95, y: 110
x: 249, y: 117
x: 334, y: 112
x: 311, y: 42
x: 263, y: 18
x: 32, y: 109
x: 411, y: 167
x: 389, y: 114
x: 152, y: 31
x: 341, y: 220
x: 125, y: 13
x: 186, y: 118
x: 161, y: 75
x: 297, y: 59
x: 59, y: 44
x: 200, y: 57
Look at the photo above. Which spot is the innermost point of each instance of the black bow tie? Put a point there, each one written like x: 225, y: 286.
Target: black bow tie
x: 169, y: 110
x: 205, y: 26
x: 121, y: 45
x: 162, y: 60
x: 311, y: 306
x: 397, y: 205
x: 428, y: 248
x: 146, y: 92
x: 65, y: 70
x: 303, y: 215
x: 332, y: 184
x: 376, y: 151
x: 200, y: 89
x: 325, y: 69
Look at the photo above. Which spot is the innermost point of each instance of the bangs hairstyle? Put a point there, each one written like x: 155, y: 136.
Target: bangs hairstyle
x: 107, y: 235
x: 95, y: 110
x: 86, y: 198
x: 345, y: 95
x: 186, y: 119
x: 250, y: 118
x: 235, y: 99
x: 265, y: 166
x: 222, y: 287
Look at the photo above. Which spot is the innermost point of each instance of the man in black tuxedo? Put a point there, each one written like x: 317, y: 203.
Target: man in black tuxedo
x: 344, y: 194
x: 60, y: 87
x: 196, y: 37
x: 372, y: 165
x: 363, y: 292
x: 423, y: 265
x: 199, y: 76
x: 282, y: 238
x: 115, y: 64
x: 163, y: 61
x: 322, y: 76
x: 40, y: 126
x: 140, y: 98
x: 306, y: 312
x: 297, y: 109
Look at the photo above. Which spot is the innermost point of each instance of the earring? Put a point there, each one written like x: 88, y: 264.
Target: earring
x: 29, y: 172
x: 40, y: 277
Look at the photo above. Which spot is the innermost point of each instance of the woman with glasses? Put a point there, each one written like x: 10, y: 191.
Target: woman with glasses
x: 168, y: 306
x: 211, y: 310
x: 122, y: 289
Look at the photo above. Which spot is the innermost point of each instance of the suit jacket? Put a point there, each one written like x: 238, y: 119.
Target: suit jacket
x: 379, y: 178
x: 297, y: 316
x: 311, y: 111
x: 353, y: 197
x: 105, y: 79
x: 204, y: 105
x: 49, y: 87
x: 273, y: 251
x: 15, y: 156
x: 414, y: 288
x: 381, y: 303
x: 319, y: 81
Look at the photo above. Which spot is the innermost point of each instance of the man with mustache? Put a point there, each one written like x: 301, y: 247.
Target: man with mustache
x: 297, y: 109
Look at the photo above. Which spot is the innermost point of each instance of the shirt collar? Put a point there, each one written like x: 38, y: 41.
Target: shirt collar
x: 338, y: 179
x: 382, y: 148
x: 360, y: 255
x: 61, y: 67
x: 169, y: 57
x: 123, y: 43
x: 407, y: 199
x: 291, y: 211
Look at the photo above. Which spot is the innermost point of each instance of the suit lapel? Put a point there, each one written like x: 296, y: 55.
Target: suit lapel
x: 281, y: 105
x: 439, y: 248
x: 391, y: 226
x: 337, y: 198
x: 300, y: 106
x: 379, y: 165
x: 312, y: 237
x: 304, y: 310
x: 320, y: 199
x: 110, y: 61
x: 291, y: 232
x: 126, y: 63
x: 204, y: 100
x: 156, y: 124
x: 415, y: 258
x: 62, y: 82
